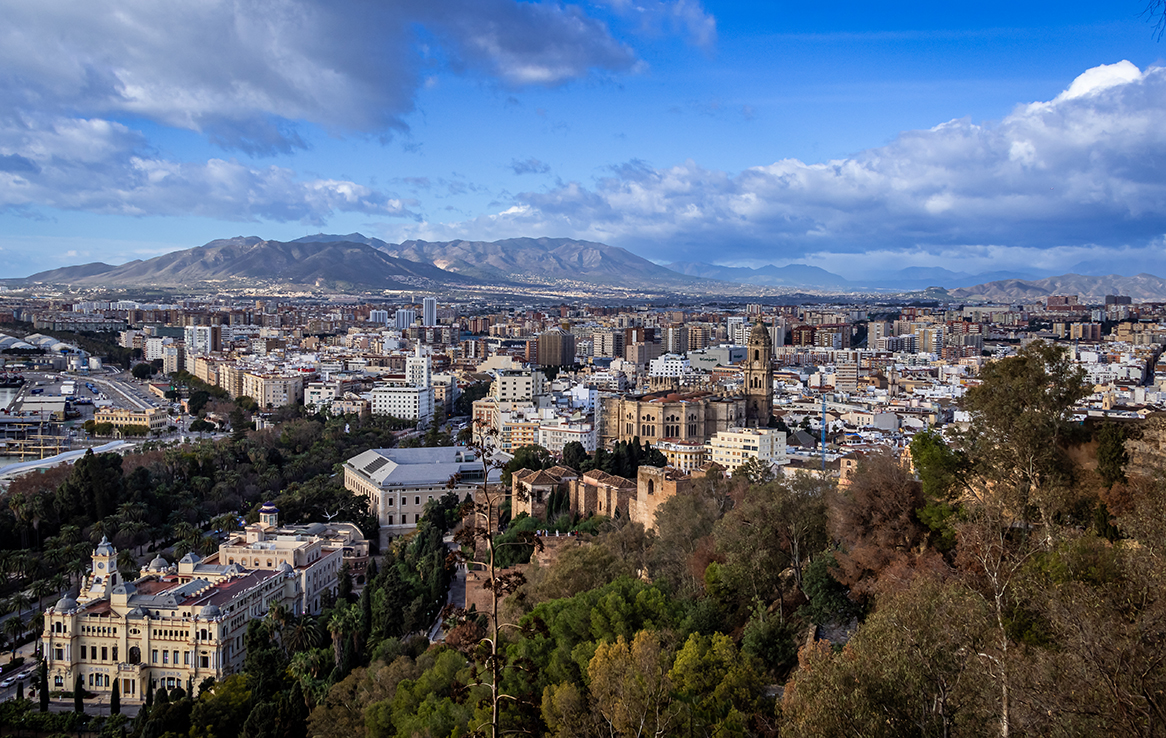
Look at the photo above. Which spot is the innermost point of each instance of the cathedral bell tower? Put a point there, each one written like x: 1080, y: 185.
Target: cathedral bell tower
x: 759, y: 378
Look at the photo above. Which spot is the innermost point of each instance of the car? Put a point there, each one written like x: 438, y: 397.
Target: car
x: 8, y: 682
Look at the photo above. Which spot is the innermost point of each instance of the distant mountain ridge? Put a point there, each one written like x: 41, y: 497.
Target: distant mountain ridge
x: 334, y: 264
x: 1139, y: 287
x: 536, y: 260
x: 357, y: 262
x: 790, y: 275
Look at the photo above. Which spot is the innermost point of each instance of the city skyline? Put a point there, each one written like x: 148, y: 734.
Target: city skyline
x: 851, y: 138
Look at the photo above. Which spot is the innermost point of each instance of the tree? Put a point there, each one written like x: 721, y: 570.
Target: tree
x: 479, y: 535
x: 150, y: 694
x: 574, y: 455
x: 776, y: 527
x: 754, y: 471
x: 631, y: 687
x: 79, y: 696
x: 142, y: 371
x: 115, y: 698
x: 718, y: 688
x: 1112, y: 456
x: 1021, y: 424
x: 531, y: 456
x: 42, y: 688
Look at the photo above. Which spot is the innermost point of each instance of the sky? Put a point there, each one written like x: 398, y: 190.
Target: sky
x: 988, y: 137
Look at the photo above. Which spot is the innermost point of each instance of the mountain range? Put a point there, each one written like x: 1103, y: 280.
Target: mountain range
x: 355, y: 262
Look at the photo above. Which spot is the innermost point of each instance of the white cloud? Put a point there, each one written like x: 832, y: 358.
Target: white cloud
x: 104, y: 167
x: 1084, y: 168
x: 245, y: 72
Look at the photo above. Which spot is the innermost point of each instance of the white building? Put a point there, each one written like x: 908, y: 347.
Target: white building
x: 154, y: 348
x: 419, y: 369
x: 398, y: 482
x: 557, y: 432
x: 429, y: 311
x: 378, y: 316
x: 405, y: 318
x: 403, y: 401
x: 735, y: 446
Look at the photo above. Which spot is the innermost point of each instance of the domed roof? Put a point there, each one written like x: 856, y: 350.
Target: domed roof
x: 190, y: 558
x: 284, y: 568
x: 105, y: 548
x: 158, y: 564
x: 268, y: 508
x: 66, y: 603
x: 210, y: 611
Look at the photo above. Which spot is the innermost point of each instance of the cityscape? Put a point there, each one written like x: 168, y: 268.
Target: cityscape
x: 558, y: 431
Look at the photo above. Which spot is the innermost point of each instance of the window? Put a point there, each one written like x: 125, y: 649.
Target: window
x: 58, y: 681
x: 154, y: 656
x: 59, y: 654
x: 115, y: 653
x: 82, y: 650
x: 104, y: 653
x: 92, y: 653
x: 186, y: 658
x: 165, y: 657
x: 204, y: 661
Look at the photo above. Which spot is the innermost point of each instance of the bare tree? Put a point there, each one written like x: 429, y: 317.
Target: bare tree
x: 478, y: 536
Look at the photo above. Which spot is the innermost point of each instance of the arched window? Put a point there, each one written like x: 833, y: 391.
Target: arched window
x: 135, y: 655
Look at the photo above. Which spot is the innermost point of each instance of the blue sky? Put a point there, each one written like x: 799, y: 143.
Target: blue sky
x: 854, y: 136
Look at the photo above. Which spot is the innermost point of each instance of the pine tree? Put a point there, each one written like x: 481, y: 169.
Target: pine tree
x: 79, y: 696
x: 43, y: 686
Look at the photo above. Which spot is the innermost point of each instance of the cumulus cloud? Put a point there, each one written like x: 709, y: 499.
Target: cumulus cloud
x: 1082, y: 169
x: 245, y: 73
x: 103, y: 166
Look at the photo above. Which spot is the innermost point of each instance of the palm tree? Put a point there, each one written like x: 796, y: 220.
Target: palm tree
x: 60, y: 582
x: 343, y: 623
x: 39, y: 589
x: 13, y: 629
x: 7, y: 562
x: 20, y: 600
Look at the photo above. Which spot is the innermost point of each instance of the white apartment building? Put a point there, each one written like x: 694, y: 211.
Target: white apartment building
x: 403, y: 401
x: 557, y: 432
x: 419, y: 369
x: 670, y: 365
x: 429, y: 311
x: 273, y: 390
x: 154, y: 348
x: 735, y: 446
x: 404, y: 318
x: 515, y: 385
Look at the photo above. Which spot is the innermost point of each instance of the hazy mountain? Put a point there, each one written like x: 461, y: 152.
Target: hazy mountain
x: 1139, y: 287
x: 340, y: 264
x: 791, y: 275
x: 543, y: 260
x: 918, y: 278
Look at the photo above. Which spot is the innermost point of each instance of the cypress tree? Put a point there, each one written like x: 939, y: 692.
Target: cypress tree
x: 150, y: 694
x: 79, y: 696
x: 115, y: 699
x: 43, y: 686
